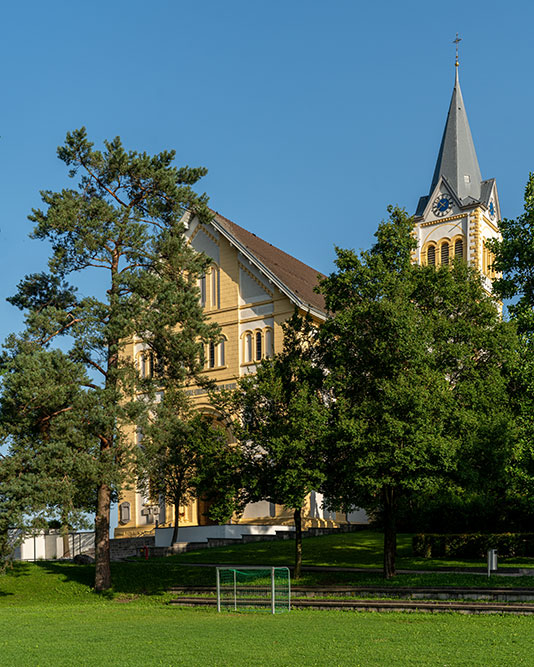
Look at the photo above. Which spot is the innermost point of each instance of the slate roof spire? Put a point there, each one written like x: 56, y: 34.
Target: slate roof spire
x: 457, y: 158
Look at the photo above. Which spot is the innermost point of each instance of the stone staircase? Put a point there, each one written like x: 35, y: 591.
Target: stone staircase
x: 144, y: 547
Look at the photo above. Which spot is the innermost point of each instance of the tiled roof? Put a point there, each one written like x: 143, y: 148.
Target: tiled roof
x: 298, y: 277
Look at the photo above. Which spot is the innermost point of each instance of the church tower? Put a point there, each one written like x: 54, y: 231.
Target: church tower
x: 461, y: 211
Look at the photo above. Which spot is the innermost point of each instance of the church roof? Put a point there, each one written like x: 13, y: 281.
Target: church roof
x: 457, y: 162
x: 292, y: 276
x: 457, y: 158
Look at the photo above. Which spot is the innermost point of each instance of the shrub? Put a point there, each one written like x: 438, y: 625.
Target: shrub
x: 472, y: 545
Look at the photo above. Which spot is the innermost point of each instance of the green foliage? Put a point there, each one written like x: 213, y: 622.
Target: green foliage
x: 280, y: 420
x: 184, y: 455
x: 417, y: 361
x: 514, y: 257
x: 51, y: 467
x: 473, y: 545
x: 124, y: 221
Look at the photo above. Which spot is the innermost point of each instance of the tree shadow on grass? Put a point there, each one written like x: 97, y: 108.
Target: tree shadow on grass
x: 137, y: 577
x: 16, y: 569
x: 12, y: 570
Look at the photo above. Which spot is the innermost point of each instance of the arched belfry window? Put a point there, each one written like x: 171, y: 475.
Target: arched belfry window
x: 444, y: 253
x: 459, y: 248
x: 431, y: 255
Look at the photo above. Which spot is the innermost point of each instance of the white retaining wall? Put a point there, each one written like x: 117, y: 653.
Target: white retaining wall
x: 49, y: 545
x: 225, y: 531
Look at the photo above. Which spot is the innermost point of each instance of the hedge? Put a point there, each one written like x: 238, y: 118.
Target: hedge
x: 472, y: 545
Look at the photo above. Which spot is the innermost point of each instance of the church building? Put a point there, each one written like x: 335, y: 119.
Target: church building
x: 461, y: 211
x: 252, y: 287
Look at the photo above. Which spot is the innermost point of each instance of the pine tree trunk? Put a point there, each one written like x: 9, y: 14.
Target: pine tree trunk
x: 298, y: 542
x: 176, y: 520
x: 66, y: 541
x: 103, y: 567
x: 103, y: 503
x: 390, y: 531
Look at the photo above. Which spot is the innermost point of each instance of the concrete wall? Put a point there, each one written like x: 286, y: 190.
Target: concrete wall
x: 225, y: 531
x: 49, y: 545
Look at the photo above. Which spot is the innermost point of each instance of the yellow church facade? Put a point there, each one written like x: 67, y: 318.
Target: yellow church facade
x: 252, y: 287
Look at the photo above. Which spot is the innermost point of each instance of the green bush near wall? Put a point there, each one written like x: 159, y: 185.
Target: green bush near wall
x: 472, y: 545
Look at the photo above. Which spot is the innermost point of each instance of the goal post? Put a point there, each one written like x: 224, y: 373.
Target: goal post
x: 251, y: 588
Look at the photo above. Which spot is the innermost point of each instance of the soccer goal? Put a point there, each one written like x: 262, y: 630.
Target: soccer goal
x: 250, y: 588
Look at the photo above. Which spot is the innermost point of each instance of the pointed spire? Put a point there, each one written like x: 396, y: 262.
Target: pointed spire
x: 457, y: 158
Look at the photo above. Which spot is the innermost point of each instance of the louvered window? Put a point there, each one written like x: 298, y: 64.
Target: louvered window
x: 431, y: 255
x: 445, y: 253
x: 459, y: 248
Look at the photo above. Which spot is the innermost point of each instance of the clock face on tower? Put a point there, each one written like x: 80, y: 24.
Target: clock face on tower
x: 442, y: 204
x: 492, y: 210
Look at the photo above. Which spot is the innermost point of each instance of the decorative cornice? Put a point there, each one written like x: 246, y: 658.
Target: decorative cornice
x: 442, y: 220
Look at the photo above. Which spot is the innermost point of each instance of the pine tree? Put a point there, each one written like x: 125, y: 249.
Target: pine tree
x: 123, y: 221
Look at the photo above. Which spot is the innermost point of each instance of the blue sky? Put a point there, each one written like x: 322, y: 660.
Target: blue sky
x: 310, y: 116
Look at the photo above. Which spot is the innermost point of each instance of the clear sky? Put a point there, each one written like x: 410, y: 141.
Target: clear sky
x: 310, y: 116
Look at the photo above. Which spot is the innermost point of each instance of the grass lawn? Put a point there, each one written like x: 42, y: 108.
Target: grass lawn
x: 112, y: 634
x: 360, y: 549
x: 49, y: 615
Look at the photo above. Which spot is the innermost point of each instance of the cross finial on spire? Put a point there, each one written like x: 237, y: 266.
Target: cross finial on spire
x: 457, y: 41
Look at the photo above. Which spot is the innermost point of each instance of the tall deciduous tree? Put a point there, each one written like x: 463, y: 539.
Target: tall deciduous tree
x: 514, y: 259
x: 407, y: 351
x: 123, y: 221
x: 280, y: 426
x: 179, y: 449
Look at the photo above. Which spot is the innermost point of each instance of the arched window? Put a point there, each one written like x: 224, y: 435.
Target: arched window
x: 444, y: 253
x: 247, y: 348
x: 222, y: 359
x: 202, y: 286
x: 459, y: 248
x: 431, y: 255
x: 259, y: 346
x: 146, y: 364
x: 269, y: 343
x: 211, y: 355
x: 215, y: 287
x: 488, y: 258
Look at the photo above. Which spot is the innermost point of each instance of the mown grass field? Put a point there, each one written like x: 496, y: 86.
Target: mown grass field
x: 49, y: 615
x: 113, y: 634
